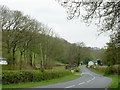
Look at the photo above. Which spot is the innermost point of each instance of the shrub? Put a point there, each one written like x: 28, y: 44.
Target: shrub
x: 97, y: 68
x: 77, y: 69
x: 92, y: 66
x: 102, y: 68
x: 107, y: 70
x: 114, y: 69
x: 37, y: 76
x: 17, y: 76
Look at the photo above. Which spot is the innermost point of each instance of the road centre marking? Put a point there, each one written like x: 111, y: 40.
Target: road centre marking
x: 89, y: 80
x: 85, y: 72
x: 70, y: 86
x: 93, y: 78
x: 89, y: 74
x: 81, y: 83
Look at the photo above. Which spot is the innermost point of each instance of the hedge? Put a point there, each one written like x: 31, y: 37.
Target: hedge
x: 101, y: 68
x: 17, y: 76
x: 108, y: 70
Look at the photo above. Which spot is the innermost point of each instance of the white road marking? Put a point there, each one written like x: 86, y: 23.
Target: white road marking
x: 93, y: 78
x: 85, y: 72
x: 82, y: 73
x: 81, y: 83
x: 70, y: 86
x: 89, y: 74
x: 89, y: 80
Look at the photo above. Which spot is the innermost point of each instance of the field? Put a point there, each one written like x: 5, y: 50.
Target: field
x: 59, y: 67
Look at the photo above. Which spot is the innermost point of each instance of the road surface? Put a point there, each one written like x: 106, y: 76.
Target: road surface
x: 88, y: 80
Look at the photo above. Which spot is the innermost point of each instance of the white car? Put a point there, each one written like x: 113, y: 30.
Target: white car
x: 3, y: 62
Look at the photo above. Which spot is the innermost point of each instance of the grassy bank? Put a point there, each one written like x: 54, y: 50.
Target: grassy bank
x: 59, y: 67
x: 0, y: 83
x: 0, y: 86
x: 42, y: 83
x: 93, y: 70
x: 114, y: 83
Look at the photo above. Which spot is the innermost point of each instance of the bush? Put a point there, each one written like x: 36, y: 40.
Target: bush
x: 102, y: 68
x: 97, y: 69
x: 16, y: 76
x: 77, y: 69
x: 92, y: 66
x: 107, y: 70
x: 114, y: 69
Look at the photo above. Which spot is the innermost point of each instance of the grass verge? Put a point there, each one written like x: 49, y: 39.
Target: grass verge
x: 101, y: 73
x: 114, y: 83
x: 0, y: 86
x: 59, y: 67
x: 42, y: 83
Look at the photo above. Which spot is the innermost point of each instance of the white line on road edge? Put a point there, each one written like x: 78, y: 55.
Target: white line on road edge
x: 70, y: 86
x: 81, y: 83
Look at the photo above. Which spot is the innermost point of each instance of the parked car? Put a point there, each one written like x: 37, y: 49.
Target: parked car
x: 3, y: 61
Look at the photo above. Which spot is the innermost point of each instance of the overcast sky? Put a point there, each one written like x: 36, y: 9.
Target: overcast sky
x: 51, y: 13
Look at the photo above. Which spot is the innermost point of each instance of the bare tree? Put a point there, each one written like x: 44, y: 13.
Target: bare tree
x: 106, y: 14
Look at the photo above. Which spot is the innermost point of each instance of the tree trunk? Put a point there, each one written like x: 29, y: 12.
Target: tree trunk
x: 13, y: 56
x: 34, y: 60
x: 45, y: 62
x: 9, y: 59
x: 30, y: 57
x: 24, y: 56
x: 27, y: 57
x: 21, y: 60
x: 8, y: 49
x: 42, y: 63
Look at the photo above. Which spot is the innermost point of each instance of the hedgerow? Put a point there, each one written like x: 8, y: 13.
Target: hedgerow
x: 107, y: 70
x: 17, y: 76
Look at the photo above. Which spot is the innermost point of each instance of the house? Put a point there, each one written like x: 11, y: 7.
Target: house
x: 99, y: 62
x: 92, y: 63
x: 3, y: 61
x: 95, y: 63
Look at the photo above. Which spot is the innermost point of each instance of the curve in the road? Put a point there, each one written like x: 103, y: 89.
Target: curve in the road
x: 88, y: 80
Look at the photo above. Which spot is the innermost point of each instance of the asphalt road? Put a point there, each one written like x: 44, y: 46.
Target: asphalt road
x: 88, y: 80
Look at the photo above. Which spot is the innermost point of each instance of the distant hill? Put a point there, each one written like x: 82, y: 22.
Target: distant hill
x: 94, y: 48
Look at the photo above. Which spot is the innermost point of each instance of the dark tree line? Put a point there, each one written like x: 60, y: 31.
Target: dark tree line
x: 113, y: 51
x: 26, y: 41
x: 110, y: 54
